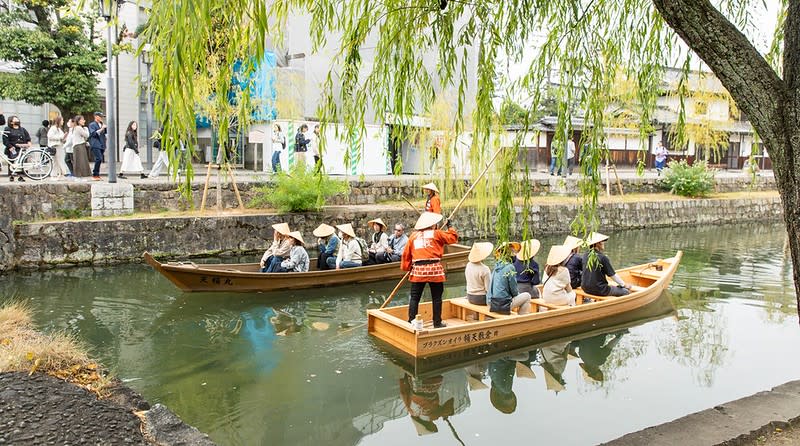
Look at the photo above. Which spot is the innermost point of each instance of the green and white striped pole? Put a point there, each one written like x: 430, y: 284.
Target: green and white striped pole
x: 290, y: 145
x: 353, y: 154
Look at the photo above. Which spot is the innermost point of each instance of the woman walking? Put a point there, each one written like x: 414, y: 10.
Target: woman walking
x: 56, y: 139
x: 278, y: 144
x: 80, y: 150
x: 131, y: 162
x: 68, y: 147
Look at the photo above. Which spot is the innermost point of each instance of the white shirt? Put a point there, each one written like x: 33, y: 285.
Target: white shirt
x: 277, y: 141
x: 55, y: 137
x: 349, y: 250
x: 313, y: 146
x: 570, y: 149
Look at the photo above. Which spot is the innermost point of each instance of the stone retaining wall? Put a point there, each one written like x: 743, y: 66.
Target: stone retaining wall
x: 51, y: 244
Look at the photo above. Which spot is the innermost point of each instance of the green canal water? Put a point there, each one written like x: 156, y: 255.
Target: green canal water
x: 298, y: 368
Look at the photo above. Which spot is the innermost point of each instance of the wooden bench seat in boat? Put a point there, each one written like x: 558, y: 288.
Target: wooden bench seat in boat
x: 582, y: 294
x: 547, y: 305
x: 481, y: 310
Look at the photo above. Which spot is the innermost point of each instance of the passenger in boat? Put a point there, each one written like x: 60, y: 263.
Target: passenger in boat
x: 432, y: 204
x: 279, y: 249
x: 349, y: 249
x: 574, y: 261
x: 557, y: 289
x: 328, y: 244
x: 527, y: 268
x: 379, y: 241
x: 397, y: 243
x: 422, y: 257
x: 477, y: 273
x: 503, y: 295
x: 297, y: 262
x: 593, y: 277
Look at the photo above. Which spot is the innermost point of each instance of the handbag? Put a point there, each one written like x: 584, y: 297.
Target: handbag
x: 500, y: 306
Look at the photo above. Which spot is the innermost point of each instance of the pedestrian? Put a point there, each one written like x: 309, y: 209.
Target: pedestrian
x: 554, y: 158
x: 162, y: 161
x: 131, y: 161
x: 313, y: 149
x: 15, y: 140
x: 432, y: 203
x: 68, y: 143
x: 301, y: 145
x: 422, y: 257
x: 80, y: 149
x: 570, y: 156
x: 55, y: 140
x: 97, y: 142
x: 278, y: 145
x: 661, y: 157
x: 41, y: 134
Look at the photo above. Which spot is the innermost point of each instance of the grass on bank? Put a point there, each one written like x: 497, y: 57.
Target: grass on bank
x: 24, y: 349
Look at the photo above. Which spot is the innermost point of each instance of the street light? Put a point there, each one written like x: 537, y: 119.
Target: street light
x: 147, y: 58
x: 107, y: 10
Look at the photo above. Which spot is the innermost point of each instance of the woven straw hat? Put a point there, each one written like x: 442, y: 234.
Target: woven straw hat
x: 324, y: 230
x: 558, y: 253
x: 297, y: 236
x: 528, y: 249
x: 431, y: 186
x: 572, y: 242
x: 378, y: 221
x: 480, y: 251
x: 282, y: 228
x: 596, y: 237
x: 427, y: 219
x: 515, y: 246
x: 347, y: 229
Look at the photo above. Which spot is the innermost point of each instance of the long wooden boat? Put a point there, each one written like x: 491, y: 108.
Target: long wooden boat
x: 470, y: 326
x: 246, y: 277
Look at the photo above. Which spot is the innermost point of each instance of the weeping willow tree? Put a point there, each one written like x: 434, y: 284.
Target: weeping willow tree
x: 421, y: 48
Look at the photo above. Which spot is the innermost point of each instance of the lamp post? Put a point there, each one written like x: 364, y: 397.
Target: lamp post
x: 147, y: 58
x: 107, y: 9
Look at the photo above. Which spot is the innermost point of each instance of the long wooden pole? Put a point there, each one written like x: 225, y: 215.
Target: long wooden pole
x: 474, y: 183
x: 412, y: 205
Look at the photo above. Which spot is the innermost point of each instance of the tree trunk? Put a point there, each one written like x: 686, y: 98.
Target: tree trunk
x: 772, y: 104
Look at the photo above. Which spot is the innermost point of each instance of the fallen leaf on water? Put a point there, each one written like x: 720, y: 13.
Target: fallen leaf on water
x: 338, y: 371
x: 35, y: 366
x: 281, y: 333
x: 320, y: 326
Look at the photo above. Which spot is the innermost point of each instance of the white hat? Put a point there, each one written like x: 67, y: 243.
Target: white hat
x: 479, y: 251
x: 528, y: 249
x: 596, y: 237
x: 558, y: 253
x: 378, y: 221
x: 347, y: 229
x: 427, y: 219
x: 572, y: 242
x: 431, y: 186
x: 282, y: 228
x: 324, y: 230
x: 297, y: 236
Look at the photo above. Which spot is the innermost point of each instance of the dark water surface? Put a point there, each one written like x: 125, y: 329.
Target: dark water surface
x: 298, y: 368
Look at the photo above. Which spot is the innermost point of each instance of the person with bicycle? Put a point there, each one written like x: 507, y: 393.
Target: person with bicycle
x: 15, y: 140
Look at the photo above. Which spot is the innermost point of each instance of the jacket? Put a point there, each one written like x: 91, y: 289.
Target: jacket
x: 398, y: 244
x: 300, y: 142
x: 330, y: 248
x: 131, y: 141
x: 349, y: 250
x: 15, y: 137
x: 527, y: 272
x: 575, y: 267
x: 278, y: 249
x: 97, y: 137
x: 380, y: 241
x: 502, y: 284
x: 426, y: 245
x: 298, y: 260
x: 557, y: 288
x: 433, y: 204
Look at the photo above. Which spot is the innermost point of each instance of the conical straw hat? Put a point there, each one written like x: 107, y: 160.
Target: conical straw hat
x: 378, y: 221
x: 516, y: 246
x: 551, y: 382
x: 282, y: 228
x: 572, y: 242
x: 596, y: 237
x: 528, y: 249
x: 297, y: 236
x: 427, y: 219
x: 324, y: 230
x: 558, y: 253
x: 347, y: 229
x: 479, y: 251
x: 431, y: 186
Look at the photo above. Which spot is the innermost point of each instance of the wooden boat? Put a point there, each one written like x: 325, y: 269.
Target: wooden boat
x: 470, y: 326
x: 246, y: 277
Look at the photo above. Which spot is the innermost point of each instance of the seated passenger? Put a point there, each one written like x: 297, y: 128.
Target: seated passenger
x: 557, y: 289
x: 593, y: 277
x: 527, y: 269
x: 328, y: 244
x: 397, y: 243
x: 349, y: 249
x: 574, y: 261
x: 478, y: 274
x: 279, y: 249
x: 502, y: 295
x: 379, y: 241
x: 297, y: 262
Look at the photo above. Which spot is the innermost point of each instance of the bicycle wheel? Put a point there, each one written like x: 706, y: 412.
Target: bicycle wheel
x: 37, y: 164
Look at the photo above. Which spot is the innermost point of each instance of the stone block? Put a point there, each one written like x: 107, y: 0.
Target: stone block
x: 114, y: 203
x: 97, y: 203
x: 127, y: 203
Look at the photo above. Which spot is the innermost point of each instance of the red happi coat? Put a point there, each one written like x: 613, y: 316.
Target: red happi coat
x: 427, y: 244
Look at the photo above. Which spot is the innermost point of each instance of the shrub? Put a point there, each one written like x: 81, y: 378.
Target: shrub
x: 689, y: 181
x: 299, y: 190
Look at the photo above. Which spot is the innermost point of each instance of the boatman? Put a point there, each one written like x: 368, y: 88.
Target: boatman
x: 432, y: 204
x: 423, y: 258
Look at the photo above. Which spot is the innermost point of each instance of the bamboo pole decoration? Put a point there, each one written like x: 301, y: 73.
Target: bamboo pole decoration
x: 235, y: 188
x: 608, y: 180
x: 480, y: 177
x: 205, y: 188
x: 619, y: 183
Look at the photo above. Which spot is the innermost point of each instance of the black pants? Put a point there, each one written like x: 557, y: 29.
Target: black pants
x: 68, y: 160
x: 437, y: 288
x: 322, y: 261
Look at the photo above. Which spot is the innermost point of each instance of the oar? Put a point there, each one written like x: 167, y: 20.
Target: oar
x: 412, y: 206
x: 474, y: 183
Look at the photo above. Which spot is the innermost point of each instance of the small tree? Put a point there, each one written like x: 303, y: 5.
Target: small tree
x: 58, y: 62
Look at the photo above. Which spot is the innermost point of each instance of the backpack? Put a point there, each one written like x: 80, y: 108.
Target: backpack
x: 364, y: 249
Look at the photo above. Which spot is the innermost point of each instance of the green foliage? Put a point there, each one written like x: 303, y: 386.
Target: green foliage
x: 59, y: 62
x: 70, y: 214
x: 300, y: 190
x: 689, y: 181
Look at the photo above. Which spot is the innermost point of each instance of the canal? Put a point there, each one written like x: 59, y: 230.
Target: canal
x: 297, y: 368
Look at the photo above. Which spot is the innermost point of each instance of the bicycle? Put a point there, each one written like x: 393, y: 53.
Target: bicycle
x: 36, y: 164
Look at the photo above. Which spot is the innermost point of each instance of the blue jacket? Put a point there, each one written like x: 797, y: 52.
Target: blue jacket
x: 331, y: 247
x: 527, y: 272
x: 97, y: 139
x: 503, y: 283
